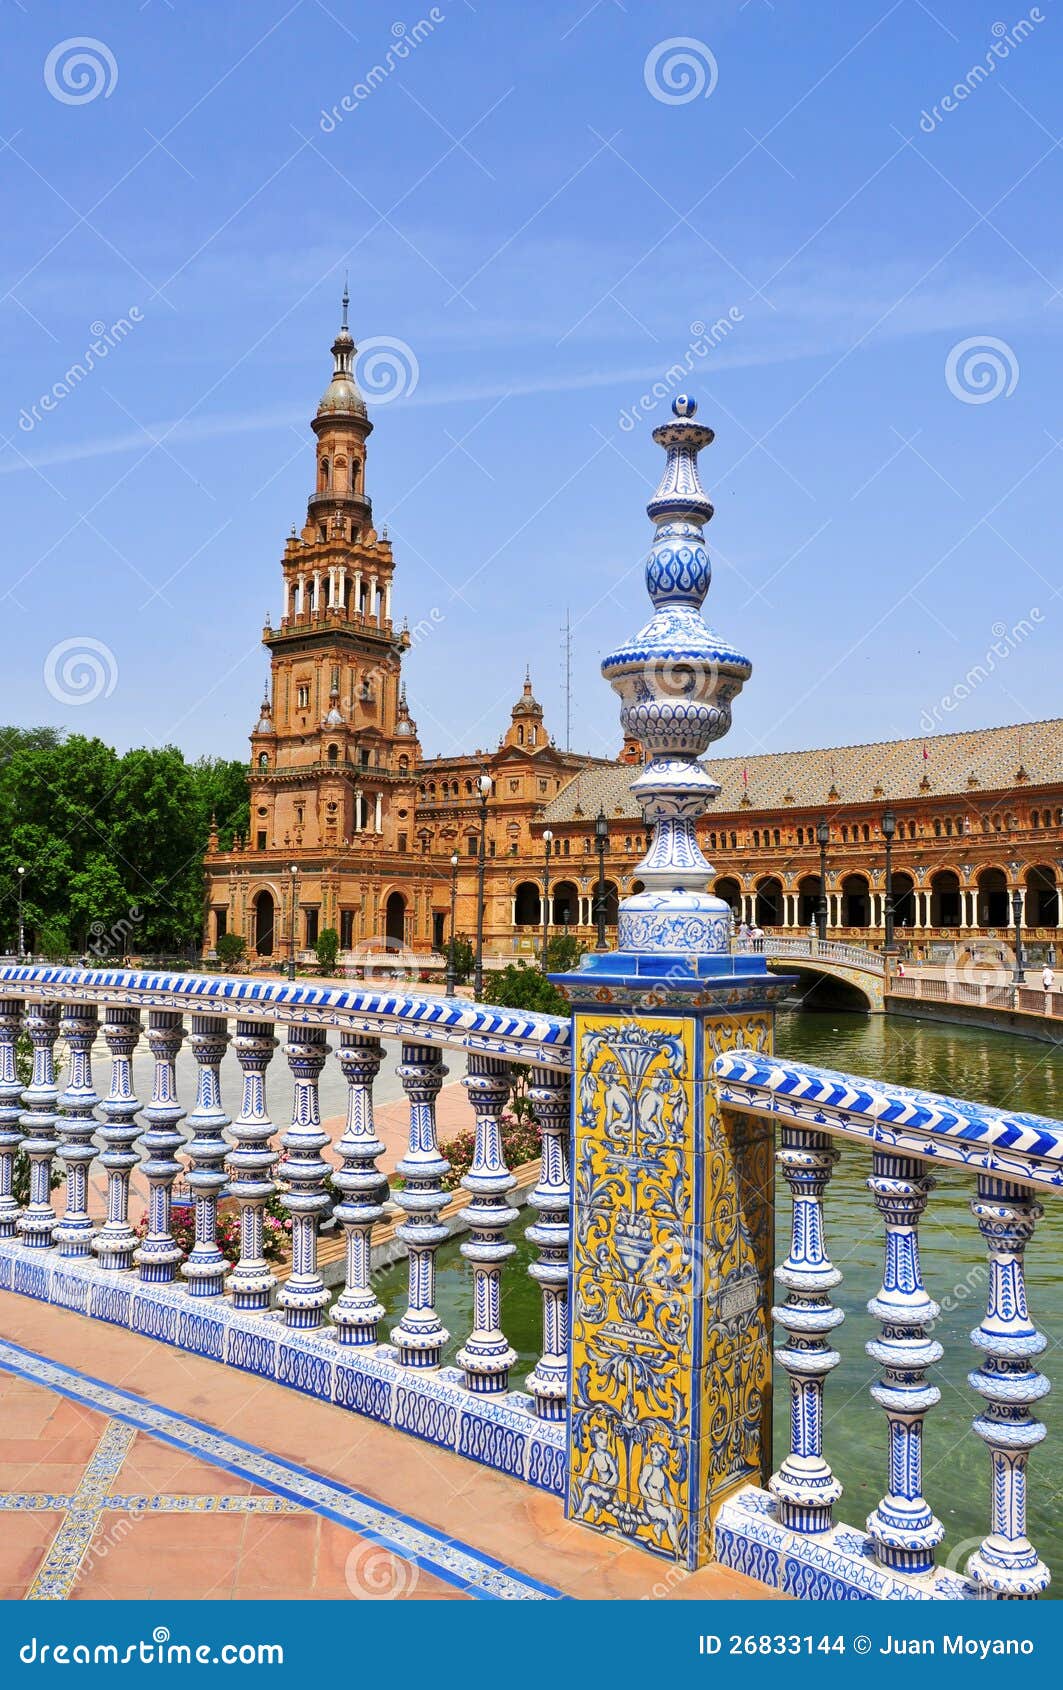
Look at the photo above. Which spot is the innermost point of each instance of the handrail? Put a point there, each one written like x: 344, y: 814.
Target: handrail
x: 829, y: 950
x: 453, y: 1023
x: 1026, y: 1148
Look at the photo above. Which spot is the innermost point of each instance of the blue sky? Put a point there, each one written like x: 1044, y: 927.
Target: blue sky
x: 538, y: 229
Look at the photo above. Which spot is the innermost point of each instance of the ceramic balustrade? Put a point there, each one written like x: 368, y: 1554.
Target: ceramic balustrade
x: 238, y: 1163
x: 1014, y: 1159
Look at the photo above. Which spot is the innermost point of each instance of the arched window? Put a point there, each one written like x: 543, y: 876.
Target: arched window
x: 404, y: 763
x: 326, y: 475
x: 333, y: 753
x: 355, y: 467
x: 520, y: 735
x: 263, y: 759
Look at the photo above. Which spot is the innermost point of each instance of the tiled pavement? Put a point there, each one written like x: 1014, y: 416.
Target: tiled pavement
x: 246, y: 1489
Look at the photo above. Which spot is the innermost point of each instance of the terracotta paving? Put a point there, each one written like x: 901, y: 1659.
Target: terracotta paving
x: 95, y: 1507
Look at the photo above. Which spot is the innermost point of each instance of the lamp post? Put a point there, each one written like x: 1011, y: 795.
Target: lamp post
x: 294, y: 872
x: 21, y: 923
x: 451, y: 981
x: 889, y: 828
x: 484, y: 786
x: 547, y: 843
x: 1016, y: 912
x: 822, y: 837
x: 601, y: 840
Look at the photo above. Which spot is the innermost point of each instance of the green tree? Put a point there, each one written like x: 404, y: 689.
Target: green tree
x: 328, y: 949
x: 220, y: 791
x: 563, y: 952
x: 520, y: 986
x: 231, y: 949
x: 464, y: 957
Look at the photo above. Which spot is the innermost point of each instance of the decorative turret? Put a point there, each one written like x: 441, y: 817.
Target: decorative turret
x: 404, y: 722
x: 526, y: 719
x: 676, y: 681
x: 265, y: 718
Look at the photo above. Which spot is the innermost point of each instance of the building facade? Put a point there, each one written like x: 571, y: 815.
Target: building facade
x: 352, y: 828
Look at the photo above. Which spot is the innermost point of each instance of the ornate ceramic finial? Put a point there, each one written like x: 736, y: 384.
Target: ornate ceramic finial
x: 676, y: 681
x: 345, y: 302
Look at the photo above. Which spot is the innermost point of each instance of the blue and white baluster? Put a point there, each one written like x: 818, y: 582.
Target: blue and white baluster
x: 420, y: 1334
x: 250, y: 1167
x: 551, y: 1097
x: 363, y: 1190
x: 485, y: 1357
x: 1006, y: 1564
x: 206, y: 1267
x: 903, y: 1529
x: 76, y: 1125
x: 115, y: 1241
x: 10, y: 1112
x: 37, y: 1223
x: 159, y: 1253
x: 805, y: 1487
x: 304, y: 1294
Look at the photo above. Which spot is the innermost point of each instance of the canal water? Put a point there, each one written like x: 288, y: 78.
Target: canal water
x: 988, y: 1067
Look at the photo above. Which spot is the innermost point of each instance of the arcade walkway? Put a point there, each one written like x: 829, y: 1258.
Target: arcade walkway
x: 134, y: 1470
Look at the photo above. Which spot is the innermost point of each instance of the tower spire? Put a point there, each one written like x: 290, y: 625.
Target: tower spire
x: 346, y: 301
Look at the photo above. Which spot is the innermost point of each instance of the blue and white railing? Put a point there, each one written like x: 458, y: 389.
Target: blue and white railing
x: 200, y: 1301
x: 1015, y: 1160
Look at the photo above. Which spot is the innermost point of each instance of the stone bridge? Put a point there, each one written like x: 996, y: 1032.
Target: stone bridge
x: 829, y: 959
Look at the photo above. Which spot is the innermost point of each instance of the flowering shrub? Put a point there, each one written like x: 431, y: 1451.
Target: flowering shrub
x: 276, y: 1231
x: 520, y: 1143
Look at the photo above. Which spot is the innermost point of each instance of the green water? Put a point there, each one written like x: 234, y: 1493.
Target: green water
x: 963, y: 1062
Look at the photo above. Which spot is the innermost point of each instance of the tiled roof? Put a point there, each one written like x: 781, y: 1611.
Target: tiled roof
x: 961, y: 765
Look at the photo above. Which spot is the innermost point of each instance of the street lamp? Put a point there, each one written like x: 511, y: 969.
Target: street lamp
x: 822, y: 838
x: 601, y: 840
x: 294, y: 872
x: 1016, y: 912
x: 547, y: 842
x: 484, y: 786
x: 889, y: 828
x: 451, y: 980
x: 21, y: 923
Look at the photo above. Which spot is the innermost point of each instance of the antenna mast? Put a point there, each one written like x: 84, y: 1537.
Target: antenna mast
x: 566, y: 675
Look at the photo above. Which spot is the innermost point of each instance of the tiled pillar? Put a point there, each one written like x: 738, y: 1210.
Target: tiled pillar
x: 671, y: 1262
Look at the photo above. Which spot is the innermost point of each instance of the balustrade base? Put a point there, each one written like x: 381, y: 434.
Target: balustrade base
x: 836, y: 1565
x: 501, y: 1432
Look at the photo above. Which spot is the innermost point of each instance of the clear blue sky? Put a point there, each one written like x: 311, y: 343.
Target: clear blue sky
x: 517, y: 205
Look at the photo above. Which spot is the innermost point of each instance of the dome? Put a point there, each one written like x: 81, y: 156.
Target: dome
x: 342, y: 397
